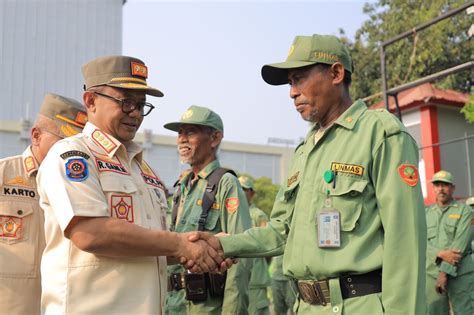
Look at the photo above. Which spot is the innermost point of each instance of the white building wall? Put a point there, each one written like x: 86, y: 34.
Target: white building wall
x: 457, y: 157
x: 43, y: 44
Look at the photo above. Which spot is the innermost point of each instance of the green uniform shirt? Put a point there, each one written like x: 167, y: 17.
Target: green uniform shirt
x: 259, y: 277
x: 381, y: 209
x: 449, y: 228
x: 229, y: 214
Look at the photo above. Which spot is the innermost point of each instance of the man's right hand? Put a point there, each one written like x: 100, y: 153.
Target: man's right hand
x: 451, y: 256
x: 198, y: 253
x: 214, y: 243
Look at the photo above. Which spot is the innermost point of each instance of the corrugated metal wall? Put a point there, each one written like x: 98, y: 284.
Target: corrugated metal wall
x: 43, y: 44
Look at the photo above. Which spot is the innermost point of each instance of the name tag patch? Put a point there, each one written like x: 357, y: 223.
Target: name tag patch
x: 20, y: 192
x: 110, y: 166
x: 76, y: 169
x: 347, y: 168
x: 122, y: 207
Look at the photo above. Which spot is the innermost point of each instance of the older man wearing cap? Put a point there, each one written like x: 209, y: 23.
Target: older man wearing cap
x: 207, y: 198
x: 105, y: 207
x: 21, y: 219
x: 449, y: 263
x: 349, y: 216
x: 259, y: 277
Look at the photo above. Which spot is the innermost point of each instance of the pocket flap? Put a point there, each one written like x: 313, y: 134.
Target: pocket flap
x: 346, y: 185
x: 19, y: 209
x: 115, y: 184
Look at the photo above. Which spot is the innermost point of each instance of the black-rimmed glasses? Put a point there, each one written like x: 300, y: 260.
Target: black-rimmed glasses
x: 129, y: 105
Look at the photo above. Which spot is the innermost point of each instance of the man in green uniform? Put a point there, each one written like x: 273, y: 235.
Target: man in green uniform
x: 349, y: 216
x: 283, y: 291
x: 200, y: 132
x: 259, y: 278
x: 470, y: 203
x: 449, y: 263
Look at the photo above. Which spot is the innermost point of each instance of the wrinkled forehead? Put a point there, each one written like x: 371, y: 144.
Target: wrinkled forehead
x: 191, y: 128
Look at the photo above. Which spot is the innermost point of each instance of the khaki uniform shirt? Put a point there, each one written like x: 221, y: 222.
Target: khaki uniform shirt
x: 449, y: 228
x: 94, y: 175
x: 229, y: 213
x: 21, y: 236
x: 378, y: 197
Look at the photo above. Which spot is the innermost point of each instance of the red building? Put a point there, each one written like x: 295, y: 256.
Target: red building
x: 446, y: 140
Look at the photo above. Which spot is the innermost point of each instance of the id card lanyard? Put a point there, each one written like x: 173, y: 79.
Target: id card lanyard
x: 328, y: 218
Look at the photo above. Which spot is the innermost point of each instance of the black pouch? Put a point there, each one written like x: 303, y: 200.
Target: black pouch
x: 217, y: 284
x: 195, y: 287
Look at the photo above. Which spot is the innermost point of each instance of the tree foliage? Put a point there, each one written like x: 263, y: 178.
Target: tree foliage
x: 436, y: 48
x: 265, y: 193
x: 468, y: 109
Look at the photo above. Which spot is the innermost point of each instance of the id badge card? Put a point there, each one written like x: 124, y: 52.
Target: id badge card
x: 329, y: 228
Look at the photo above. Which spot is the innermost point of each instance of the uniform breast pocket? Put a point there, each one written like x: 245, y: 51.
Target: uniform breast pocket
x: 450, y: 227
x: 348, y: 198
x: 121, y: 194
x: 15, y: 221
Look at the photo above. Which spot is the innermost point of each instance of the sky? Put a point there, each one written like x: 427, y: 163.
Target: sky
x: 210, y: 53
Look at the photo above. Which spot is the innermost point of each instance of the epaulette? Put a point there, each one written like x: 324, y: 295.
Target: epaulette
x: 390, y: 123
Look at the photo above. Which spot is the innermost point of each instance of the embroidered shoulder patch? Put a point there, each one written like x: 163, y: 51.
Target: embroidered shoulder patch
x: 409, y: 174
x: 232, y: 204
x: 76, y: 169
x: 72, y: 153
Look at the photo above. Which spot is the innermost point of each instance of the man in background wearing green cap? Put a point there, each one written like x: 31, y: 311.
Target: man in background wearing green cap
x: 105, y: 208
x: 349, y: 216
x: 449, y: 261
x: 200, y: 132
x: 259, y: 277
x: 21, y: 219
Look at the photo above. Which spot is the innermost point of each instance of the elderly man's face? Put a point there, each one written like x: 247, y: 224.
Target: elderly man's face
x: 443, y: 191
x: 195, y: 145
x: 312, y: 92
x: 110, y: 118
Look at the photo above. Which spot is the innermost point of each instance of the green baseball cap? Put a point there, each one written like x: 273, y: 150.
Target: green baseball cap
x: 470, y: 201
x: 305, y: 51
x: 118, y: 71
x: 443, y: 176
x: 197, y: 115
x: 67, y: 114
x: 246, y: 182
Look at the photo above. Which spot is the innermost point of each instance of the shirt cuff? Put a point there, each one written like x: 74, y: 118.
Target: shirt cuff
x: 448, y: 268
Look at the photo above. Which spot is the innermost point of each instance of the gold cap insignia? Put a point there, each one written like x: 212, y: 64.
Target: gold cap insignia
x: 188, y: 114
x: 139, y: 69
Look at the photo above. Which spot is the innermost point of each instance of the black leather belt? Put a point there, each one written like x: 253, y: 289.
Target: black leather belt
x: 317, y: 292
x: 176, y: 281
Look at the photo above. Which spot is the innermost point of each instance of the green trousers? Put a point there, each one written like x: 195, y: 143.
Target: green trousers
x: 284, y: 296
x: 258, y: 302
x: 460, y: 294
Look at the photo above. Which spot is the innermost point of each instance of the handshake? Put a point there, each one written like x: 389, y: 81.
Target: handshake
x: 202, y: 252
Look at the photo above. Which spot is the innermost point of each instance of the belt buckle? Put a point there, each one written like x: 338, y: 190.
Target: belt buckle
x: 322, y: 291
x: 177, y: 281
x: 307, y: 292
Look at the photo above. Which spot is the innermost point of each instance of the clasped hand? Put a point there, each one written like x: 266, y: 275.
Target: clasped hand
x: 202, y: 252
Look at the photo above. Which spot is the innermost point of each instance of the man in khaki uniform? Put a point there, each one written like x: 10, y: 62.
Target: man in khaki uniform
x: 449, y: 262
x: 349, y: 217
x: 200, y: 132
x: 259, y: 277
x: 283, y: 291
x: 21, y: 219
x: 105, y: 207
